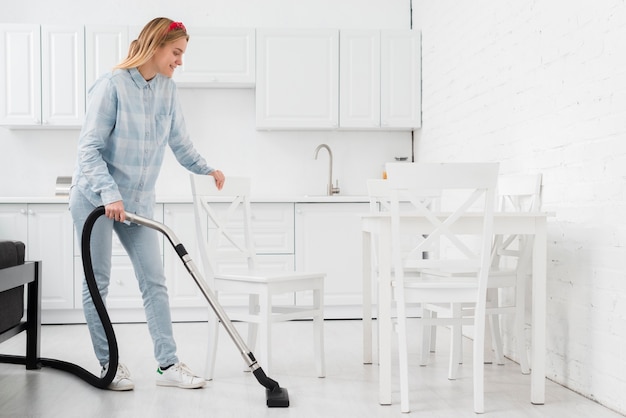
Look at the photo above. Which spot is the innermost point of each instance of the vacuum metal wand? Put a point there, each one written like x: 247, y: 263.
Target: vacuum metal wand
x: 276, y: 396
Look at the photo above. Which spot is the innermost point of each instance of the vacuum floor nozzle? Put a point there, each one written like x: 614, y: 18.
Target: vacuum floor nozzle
x: 277, y: 398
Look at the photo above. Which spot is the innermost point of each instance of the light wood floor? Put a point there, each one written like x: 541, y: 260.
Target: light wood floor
x: 349, y: 389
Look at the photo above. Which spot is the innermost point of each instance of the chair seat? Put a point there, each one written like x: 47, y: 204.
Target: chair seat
x: 266, y: 276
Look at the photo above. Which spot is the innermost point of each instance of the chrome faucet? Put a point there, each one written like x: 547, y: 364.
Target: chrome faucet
x: 331, y: 190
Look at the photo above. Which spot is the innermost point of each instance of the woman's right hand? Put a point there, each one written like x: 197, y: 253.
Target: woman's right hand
x: 115, y: 211
x: 219, y: 178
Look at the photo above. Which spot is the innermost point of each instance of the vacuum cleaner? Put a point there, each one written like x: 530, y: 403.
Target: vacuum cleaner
x: 276, y: 396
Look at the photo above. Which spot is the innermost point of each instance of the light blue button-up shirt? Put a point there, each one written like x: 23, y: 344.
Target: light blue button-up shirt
x: 122, y: 143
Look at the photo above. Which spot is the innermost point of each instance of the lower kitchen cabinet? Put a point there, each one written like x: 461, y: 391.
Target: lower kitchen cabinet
x: 328, y: 239
x: 46, y: 230
x: 323, y: 237
x: 179, y: 217
x: 273, y: 227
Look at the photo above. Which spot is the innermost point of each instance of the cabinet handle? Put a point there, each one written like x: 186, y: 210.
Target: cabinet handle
x: 31, y: 212
x: 23, y: 211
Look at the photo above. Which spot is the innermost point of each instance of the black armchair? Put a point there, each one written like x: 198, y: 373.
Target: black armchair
x: 14, y: 275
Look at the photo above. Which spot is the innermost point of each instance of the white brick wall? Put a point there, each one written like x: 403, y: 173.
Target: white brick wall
x: 541, y: 86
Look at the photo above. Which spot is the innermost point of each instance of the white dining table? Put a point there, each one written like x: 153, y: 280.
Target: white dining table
x: 378, y: 225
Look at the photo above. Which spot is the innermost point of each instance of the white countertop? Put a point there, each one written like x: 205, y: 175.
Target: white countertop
x: 173, y: 199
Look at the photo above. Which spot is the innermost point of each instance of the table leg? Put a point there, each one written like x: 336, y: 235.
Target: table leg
x: 384, y: 314
x: 538, y: 347
x: 367, y: 298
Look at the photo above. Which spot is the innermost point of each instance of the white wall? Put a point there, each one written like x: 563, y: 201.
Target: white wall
x: 541, y: 87
x: 221, y: 122
x: 536, y: 85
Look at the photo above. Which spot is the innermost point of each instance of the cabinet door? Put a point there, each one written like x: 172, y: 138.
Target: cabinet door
x: 20, y: 74
x: 328, y: 239
x: 14, y: 222
x: 297, y: 78
x: 50, y: 239
x: 63, y: 75
x: 105, y: 47
x: 400, y: 71
x: 272, y: 225
x: 218, y: 58
x: 359, y: 79
x: 179, y: 217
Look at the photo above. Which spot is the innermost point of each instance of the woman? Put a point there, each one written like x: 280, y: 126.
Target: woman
x: 132, y: 114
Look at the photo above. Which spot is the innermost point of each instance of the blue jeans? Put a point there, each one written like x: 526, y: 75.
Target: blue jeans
x: 142, y: 245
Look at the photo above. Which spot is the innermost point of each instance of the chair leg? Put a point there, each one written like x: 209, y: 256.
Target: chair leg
x: 403, y: 355
x: 253, y: 309
x: 213, y: 325
x: 429, y: 334
x: 478, y: 364
x: 318, y: 333
x: 456, y: 342
x: 265, y: 331
x: 493, y: 301
x: 520, y: 336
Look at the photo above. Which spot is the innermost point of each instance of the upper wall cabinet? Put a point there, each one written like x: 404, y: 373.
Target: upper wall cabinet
x: 380, y: 79
x: 218, y: 58
x: 42, y: 79
x: 105, y: 47
x: 349, y: 79
x: 400, y: 79
x: 297, y: 79
x: 20, y: 74
x: 359, y: 79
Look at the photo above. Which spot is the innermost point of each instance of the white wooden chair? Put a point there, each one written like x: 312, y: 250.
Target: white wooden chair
x: 512, y: 265
x: 230, y: 263
x: 457, y: 266
x: 509, y: 272
x: 379, y: 194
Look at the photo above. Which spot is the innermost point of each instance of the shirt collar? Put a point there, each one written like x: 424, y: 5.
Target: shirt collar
x: 137, y: 78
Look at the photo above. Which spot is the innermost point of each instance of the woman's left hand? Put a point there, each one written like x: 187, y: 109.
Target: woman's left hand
x: 219, y: 178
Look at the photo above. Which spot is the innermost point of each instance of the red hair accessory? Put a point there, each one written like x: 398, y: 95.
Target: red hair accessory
x: 177, y: 25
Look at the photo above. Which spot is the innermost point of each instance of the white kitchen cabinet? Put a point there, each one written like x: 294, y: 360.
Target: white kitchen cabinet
x: 182, y: 289
x: 328, y: 239
x: 273, y: 231
x: 62, y: 75
x: 380, y: 79
x: 218, y: 57
x: 105, y: 47
x: 46, y: 230
x: 297, y: 83
x: 20, y: 74
x: 359, y: 79
x: 43, y: 82
x: 14, y: 222
x: 400, y: 83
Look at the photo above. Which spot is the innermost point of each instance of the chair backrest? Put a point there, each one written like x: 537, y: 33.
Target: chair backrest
x: 516, y: 193
x: 379, y: 195
x: 464, y: 189
x: 519, y: 193
x: 224, y: 233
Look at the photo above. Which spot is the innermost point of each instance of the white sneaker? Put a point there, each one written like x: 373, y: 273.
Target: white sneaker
x: 179, y: 375
x: 121, y: 381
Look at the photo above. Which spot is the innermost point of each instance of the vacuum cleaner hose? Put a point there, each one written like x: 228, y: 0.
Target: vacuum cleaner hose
x: 104, y: 381
x: 276, y: 395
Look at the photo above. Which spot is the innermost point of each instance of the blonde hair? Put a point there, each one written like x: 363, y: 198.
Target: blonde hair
x: 156, y: 33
